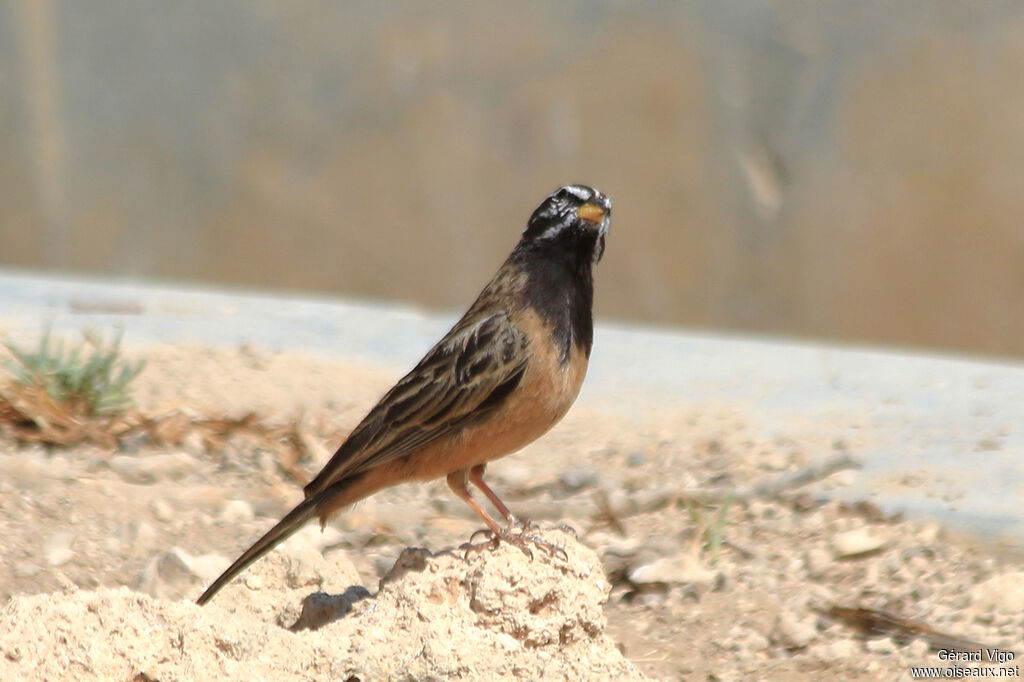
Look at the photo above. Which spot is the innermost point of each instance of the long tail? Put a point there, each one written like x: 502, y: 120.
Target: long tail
x: 292, y: 521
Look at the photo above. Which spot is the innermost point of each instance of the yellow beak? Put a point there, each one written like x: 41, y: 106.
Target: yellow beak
x: 591, y: 212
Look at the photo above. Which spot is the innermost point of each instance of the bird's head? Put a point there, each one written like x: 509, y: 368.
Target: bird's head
x: 574, y: 217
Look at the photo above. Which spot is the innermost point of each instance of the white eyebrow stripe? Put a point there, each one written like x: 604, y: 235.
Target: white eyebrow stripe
x: 580, y: 192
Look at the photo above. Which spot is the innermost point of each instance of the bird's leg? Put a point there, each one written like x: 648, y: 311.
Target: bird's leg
x: 476, y: 477
x: 457, y: 482
x: 507, y: 534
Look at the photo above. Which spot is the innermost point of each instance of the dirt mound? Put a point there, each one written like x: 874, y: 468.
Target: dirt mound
x: 297, y: 616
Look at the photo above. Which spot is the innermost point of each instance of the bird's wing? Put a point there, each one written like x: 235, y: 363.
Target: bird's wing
x: 467, y: 375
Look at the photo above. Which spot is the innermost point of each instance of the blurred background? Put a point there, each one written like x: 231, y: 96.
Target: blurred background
x: 848, y: 171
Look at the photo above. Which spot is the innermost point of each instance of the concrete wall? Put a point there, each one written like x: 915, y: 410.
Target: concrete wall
x: 850, y: 170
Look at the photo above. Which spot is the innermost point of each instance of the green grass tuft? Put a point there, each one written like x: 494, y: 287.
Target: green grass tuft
x: 90, y: 376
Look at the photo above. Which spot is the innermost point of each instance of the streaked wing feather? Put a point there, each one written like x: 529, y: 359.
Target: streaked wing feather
x: 464, y: 377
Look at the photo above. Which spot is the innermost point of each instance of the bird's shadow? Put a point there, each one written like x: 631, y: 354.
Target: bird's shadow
x: 321, y: 608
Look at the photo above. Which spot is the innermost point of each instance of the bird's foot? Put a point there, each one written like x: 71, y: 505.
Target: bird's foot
x: 517, y: 535
x: 473, y: 547
x: 566, y: 528
x: 522, y: 525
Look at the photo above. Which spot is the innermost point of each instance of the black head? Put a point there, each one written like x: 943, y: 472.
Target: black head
x: 576, y: 218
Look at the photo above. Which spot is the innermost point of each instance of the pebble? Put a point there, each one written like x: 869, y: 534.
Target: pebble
x: 194, y: 443
x: 175, y: 573
x: 1003, y: 593
x: 27, y: 569
x: 858, y: 542
x: 793, y: 632
x: 143, y: 535
x: 266, y: 461
x: 311, y: 537
x: 153, y: 468
x: 514, y: 474
x: 678, y: 569
x: 817, y: 561
x: 236, y: 511
x: 929, y: 533
x: 575, y: 480
x: 880, y: 645
x: 162, y: 510
x: 871, y: 574
x: 774, y: 461
x: 842, y: 649
x: 756, y: 641
x: 57, y: 549
x: 918, y: 649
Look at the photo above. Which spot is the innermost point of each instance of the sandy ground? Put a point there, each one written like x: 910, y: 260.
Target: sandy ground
x: 103, y: 553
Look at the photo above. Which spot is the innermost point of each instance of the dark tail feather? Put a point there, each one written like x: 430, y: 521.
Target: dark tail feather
x: 292, y: 521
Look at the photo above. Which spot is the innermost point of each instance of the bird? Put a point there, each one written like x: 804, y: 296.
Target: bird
x: 504, y: 374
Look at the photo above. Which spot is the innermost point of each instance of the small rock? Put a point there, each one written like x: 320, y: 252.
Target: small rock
x: 761, y: 510
x: 153, y: 468
x: 411, y: 559
x: 304, y: 567
x: 774, y: 461
x: 66, y: 583
x: 755, y: 641
x: 162, y: 510
x: 1003, y: 593
x: 57, y: 549
x: 618, y: 554
x: 27, y: 569
x: 794, y: 633
x: 817, y: 562
x: 194, y: 444
x: 143, y: 535
x: 918, y: 649
x: 841, y: 479
x: 881, y: 645
x: 636, y: 459
x: 574, y: 480
x: 623, y: 546
x: 176, y: 573
x: 842, y: 648
x: 870, y: 579
x: 679, y: 569
x: 929, y: 533
x: 311, y: 537
x: 514, y: 474
x: 820, y: 595
x: 858, y: 542
x: 267, y: 462
x: 236, y: 511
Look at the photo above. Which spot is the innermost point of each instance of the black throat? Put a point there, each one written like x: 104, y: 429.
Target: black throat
x: 560, y: 287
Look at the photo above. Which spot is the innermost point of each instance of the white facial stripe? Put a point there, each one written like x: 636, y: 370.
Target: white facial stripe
x: 579, y: 191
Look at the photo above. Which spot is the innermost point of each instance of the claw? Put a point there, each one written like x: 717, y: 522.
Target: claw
x: 566, y: 528
x: 521, y: 539
x: 522, y: 525
x: 471, y: 547
x: 485, y: 531
x: 544, y: 544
